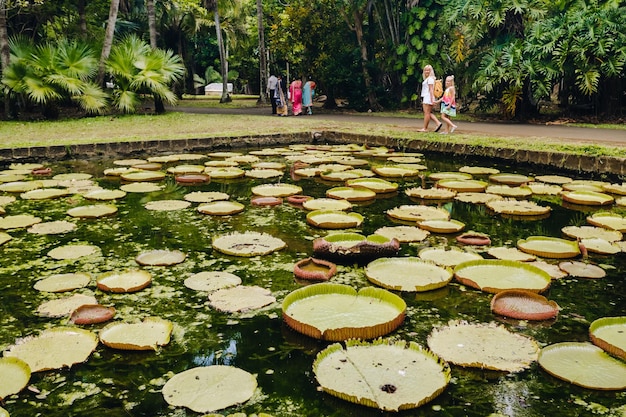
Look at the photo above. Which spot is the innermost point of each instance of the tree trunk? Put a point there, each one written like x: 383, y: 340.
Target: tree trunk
x: 223, y: 59
x: 82, y: 19
x: 108, y: 40
x: 262, y: 58
x: 358, y: 28
x: 5, y: 56
x: 152, y: 23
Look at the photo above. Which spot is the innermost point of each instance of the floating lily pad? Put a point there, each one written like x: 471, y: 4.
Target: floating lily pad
x: 612, y: 221
x: 442, y: 226
x: 477, y: 198
x: 104, y: 195
x: 582, y: 269
x: 141, y: 176
x: 463, y: 186
x: 149, y: 334
x: 247, y: 244
x: 589, y: 232
x: 6, y: 199
x: 92, y: 211
x: 553, y: 270
x: 206, y: 196
x: 314, y: 269
x: 544, y: 189
x: 185, y: 169
x: 276, y: 190
x: 351, y: 194
x: 509, y: 191
x: 475, y: 170
x: 518, y: 207
x: 601, y: 246
x: 15, y: 374
x: 395, y: 171
x: 340, y: 176
x: 510, y: 179
x: 209, y: 388
x: 583, y: 364
x: 240, y: 298
x: 403, y: 234
x: 327, y: 204
x: 124, y: 282
x: 549, y: 247
x: 160, y: 257
x: 430, y: 193
x: 619, y: 189
x: 221, y: 208
x: 269, y: 165
x: 52, y: 228
x: 73, y: 251
x: 129, y: 161
x: 50, y: 349
x: 167, y: 205
x: 554, y: 179
x: 391, y: 376
x: 73, y: 176
x: 354, y: 246
x: 63, y: 282
x: 62, y: 307
x: 484, y: 346
x: 4, y: 238
x: 473, y: 238
x: 141, y: 187
x: 45, y: 194
x: 437, y: 176
x: 585, y: 185
x: 210, y: 281
x: 333, y: 219
x: 590, y: 198
x: 378, y: 185
x: 20, y: 186
x: 609, y: 334
x: 523, y: 305
x: 407, y: 274
x: 417, y: 213
x: 92, y: 314
x: 18, y: 221
x: 497, y: 275
x: 448, y: 257
x: 510, y: 254
x: 192, y: 178
x: 337, y: 312
x: 264, y: 173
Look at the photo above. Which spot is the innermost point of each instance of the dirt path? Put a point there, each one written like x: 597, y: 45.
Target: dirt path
x: 560, y: 133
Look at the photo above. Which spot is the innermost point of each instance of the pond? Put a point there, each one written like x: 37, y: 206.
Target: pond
x: 114, y: 382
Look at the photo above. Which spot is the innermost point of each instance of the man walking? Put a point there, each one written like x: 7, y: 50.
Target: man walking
x: 271, y: 88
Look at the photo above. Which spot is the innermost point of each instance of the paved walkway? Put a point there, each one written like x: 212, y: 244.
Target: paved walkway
x: 570, y: 134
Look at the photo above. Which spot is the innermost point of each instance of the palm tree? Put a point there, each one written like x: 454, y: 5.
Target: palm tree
x: 51, y: 73
x: 211, y: 6
x: 138, y: 69
x: 108, y: 39
x: 5, y: 53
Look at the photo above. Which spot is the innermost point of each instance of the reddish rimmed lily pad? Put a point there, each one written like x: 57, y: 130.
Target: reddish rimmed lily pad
x: 523, y: 305
x: 192, y: 178
x: 474, y: 238
x: 354, y: 247
x: 582, y: 269
x: 266, y: 201
x: 314, y: 269
x: 92, y: 314
x: 338, y: 312
x: 298, y: 199
x: 609, y: 334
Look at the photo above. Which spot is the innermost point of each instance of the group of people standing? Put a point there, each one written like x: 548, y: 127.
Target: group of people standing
x: 447, y: 100
x: 299, y: 95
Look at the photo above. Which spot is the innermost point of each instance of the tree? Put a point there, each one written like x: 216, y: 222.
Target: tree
x: 5, y: 53
x: 262, y: 58
x: 212, y: 6
x: 108, y: 40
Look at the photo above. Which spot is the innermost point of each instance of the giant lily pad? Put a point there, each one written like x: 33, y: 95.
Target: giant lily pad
x: 430, y: 193
x: 609, y: 333
x: 583, y: 364
x: 351, y: 194
x: 240, y: 298
x: 549, y: 247
x: 510, y: 179
x: 518, y: 207
x: 354, y: 246
x: 276, y: 190
x: 378, y: 185
x: 485, y: 346
x: 442, y: 226
x: 62, y: 307
x: 327, y: 204
x: 149, y: 334
x: 15, y: 374
x: 247, y: 244
x: 619, y: 189
x: 45, y: 194
x: 463, y: 186
x: 141, y: 187
x: 338, y: 312
x: 523, y: 305
x: 438, y: 176
x: 63, y: 282
x: 167, y: 205
x: 403, y: 234
x: 141, y: 176
x: 92, y: 314
x: 4, y: 238
x: 221, y: 208
x: 124, y: 282
x: 206, y: 196
x: 391, y: 376
x: 54, y: 348
x: 395, y: 171
x: 448, y: 257
x: 407, y: 274
x: 582, y: 269
x: 417, y: 213
x: 590, y: 232
x: 510, y: 254
x: 509, y: 191
x: 590, y: 198
x: 497, y: 275
x: 73, y: 251
x: 20, y: 186
x: 52, y: 228
x: 210, y: 281
x: 92, y: 211
x: 18, y: 221
x: 612, y: 221
x: 209, y: 388
x: 160, y: 257
x: 477, y: 198
x: 601, y: 246
x: 333, y: 219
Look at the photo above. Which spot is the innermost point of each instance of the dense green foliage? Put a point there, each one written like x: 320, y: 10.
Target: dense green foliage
x: 511, y: 55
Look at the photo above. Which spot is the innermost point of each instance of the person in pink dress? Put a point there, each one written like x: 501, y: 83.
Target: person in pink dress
x: 295, y: 91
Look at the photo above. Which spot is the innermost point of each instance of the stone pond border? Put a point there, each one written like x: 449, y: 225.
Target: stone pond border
x: 561, y: 160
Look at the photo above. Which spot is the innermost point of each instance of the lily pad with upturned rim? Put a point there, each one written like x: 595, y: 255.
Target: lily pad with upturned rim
x: 141, y: 176
x: 586, y: 232
x: 407, y: 274
x: 92, y: 211
x: 518, y: 207
x: 141, y: 187
x: 430, y: 193
x: 590, y: 198
x: 608, y: 220
x: 125, y: 281
x: 350, y: 246
x: 388, y: 375
x: 510, y: 254
x: 148, y: 334
x: 549, y: 247
x: 15, y: 374
x: 209, y: 388
x: 378, y: 185
x: 314, y: 269
x: 510, y: 179
x: 523, y: 305
x: 609, y: 334
x: 351, y: 194
x: 463, y: 186
x: 221, y: 208
x: 494, y: 276
x: 583, y: 364
x: 104, y: 195
x: 247, y: 244
x: 442, y: 226
x: 45, y: 194
x: 327, y: 204
x: 276, y: 190
x: 91, y: 314
x: 416, y: 213
x: 206, y: 196
x: 394, y: 171
x: 484, y: 346
x: 333, y: 219
x: 49, y: 350
x: 601, y: 246
x: 336, y: 312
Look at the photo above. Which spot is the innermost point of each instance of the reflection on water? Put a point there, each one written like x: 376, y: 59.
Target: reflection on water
x: 119, y: 383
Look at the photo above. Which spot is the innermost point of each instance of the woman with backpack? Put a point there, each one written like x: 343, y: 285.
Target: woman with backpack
x: 428, y: 98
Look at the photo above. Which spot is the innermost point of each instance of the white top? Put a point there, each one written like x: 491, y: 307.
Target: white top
x: 272, y: 82
x: 426, y: 97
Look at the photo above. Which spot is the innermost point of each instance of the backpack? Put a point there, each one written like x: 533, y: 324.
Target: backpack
x: 438, y: 88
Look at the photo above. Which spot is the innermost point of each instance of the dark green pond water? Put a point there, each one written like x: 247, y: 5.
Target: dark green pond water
x: 128, y: 383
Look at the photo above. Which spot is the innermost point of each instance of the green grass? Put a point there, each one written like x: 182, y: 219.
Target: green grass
x: 178, y: 125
